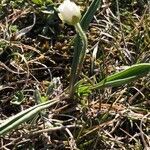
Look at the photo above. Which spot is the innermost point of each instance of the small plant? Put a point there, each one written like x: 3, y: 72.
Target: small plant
x: 70, y: 13
x: 97, y: 113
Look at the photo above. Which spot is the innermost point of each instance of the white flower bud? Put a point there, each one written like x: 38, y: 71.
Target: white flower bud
x: 69, y: 12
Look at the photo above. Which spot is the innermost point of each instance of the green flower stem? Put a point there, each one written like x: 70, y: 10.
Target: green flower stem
x: 84, y: 46
x: 78, y: 59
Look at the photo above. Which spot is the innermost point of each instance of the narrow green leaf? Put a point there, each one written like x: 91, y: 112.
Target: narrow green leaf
x: 37, y: 96
x: 23, y: 116
x: 88, y: 16
x: 125, y: 76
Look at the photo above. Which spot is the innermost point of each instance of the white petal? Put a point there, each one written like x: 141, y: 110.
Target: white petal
x: 68, y: 10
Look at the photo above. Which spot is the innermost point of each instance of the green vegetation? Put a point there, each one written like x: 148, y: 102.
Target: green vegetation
x: 58, y: 91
